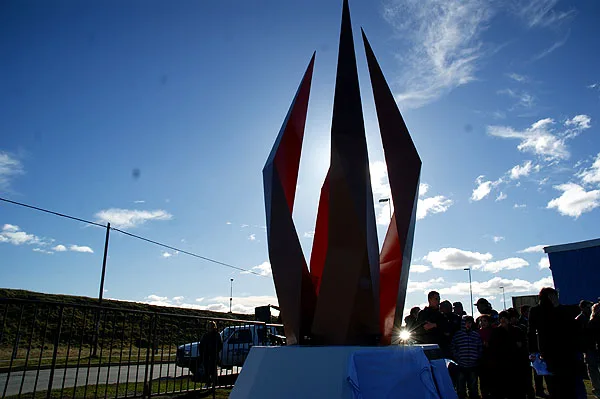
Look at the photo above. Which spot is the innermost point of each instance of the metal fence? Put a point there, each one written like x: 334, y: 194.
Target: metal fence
x: 60, y: 350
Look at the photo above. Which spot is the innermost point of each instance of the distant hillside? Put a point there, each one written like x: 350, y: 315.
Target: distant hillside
x: 83, y: 300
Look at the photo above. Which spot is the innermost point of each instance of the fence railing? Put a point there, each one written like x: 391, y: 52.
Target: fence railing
x: 50, y: 349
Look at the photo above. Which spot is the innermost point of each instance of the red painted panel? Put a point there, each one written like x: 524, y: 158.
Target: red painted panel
x: 390, y: 267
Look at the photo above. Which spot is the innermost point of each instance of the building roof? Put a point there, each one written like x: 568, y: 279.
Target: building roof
x: 572, y: 246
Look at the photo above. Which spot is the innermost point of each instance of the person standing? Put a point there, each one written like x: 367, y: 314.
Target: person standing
x: 485, y: 368
x: 210, y: 347
x: 554, y: 334
x: 410, y: 321
x: 432, y: 324
x: 457, y: 308
x: 467, y: 350
x: 593, y: 356
x: 485, y: 307
x: 509, y: 360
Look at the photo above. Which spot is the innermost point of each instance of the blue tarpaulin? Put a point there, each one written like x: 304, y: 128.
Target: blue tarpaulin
x: 576, y: 270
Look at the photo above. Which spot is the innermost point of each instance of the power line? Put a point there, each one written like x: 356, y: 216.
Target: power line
x: 132, y: 235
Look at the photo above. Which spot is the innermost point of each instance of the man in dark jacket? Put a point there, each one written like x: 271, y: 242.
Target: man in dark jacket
x: 432, y: 324
x: 210, y: 347
x: 555, y: 334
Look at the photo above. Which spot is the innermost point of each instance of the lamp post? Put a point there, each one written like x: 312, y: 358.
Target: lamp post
x: 230, y: 294
x: 470, y: 289
x: 389, y: 203
x: 503, y: 297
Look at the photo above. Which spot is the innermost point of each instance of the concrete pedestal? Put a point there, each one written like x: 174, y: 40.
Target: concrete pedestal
x: 300, y: 372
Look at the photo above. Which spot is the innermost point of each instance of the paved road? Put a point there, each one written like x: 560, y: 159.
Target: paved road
x: 104, y: 375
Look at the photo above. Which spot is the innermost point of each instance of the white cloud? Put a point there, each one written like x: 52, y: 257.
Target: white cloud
x: 574, y: 200
x: 252, y: 237
x: 501, y: 196
x: 381, y: 190
x: 9, y: 168
x: 60, y: 248
x: 130, y: 218
x: 243, y: 305
x: 518, y: 78
x: 533, y: 249
x: 419, y: 268
x: 482, y: 190
x: 77, y: 248
x: 519, y: 206
x: 592, y: 174
x: 497, y: 239
x: 504, y: 264
x: 424, y: 286
x: 139, y: 202
x: 556, y: 45
x: 456, y: 259
x: 167, y: 254
x: 544, y: 263
x: 579, y: 122
x: 542, y: 13
x: 227, y: 222
x: 153, y: 297
x: 309, y: 234
x: 14, y: 235
x: 264, y: 269
x: 519, y: 171
x: 542, y: 139
x: 43, y: 251
x: 446, y: 46
x: 492, y: 287
x: 243, y: 226
x: 524, y: 99
x: 432, y: 205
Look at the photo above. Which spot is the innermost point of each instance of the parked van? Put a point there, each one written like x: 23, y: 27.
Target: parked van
x: 237, y: 341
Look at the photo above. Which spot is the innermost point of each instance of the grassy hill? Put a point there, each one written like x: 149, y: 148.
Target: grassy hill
x: 110, y: 303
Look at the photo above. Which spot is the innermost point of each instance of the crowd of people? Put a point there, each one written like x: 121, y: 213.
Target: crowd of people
x: 492, y: 356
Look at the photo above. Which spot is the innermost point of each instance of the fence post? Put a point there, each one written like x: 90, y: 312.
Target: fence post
x: 55, y: 352
x: 101, y: 294
x: 149, y: 369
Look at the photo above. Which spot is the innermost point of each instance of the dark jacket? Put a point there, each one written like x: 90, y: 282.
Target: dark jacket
x: 210, y: 346
x: 435, y: 335
x: 556, y: 335
x: 594, y: 334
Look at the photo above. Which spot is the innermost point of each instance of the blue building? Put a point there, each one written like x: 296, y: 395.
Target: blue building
x: 576, y: 270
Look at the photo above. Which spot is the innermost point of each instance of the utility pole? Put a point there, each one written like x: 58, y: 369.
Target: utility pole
x: 230, y: 294
x: 101, y: 294
x: 470, y: 290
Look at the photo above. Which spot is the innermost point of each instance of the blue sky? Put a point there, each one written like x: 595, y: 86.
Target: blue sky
x: 158, y: 117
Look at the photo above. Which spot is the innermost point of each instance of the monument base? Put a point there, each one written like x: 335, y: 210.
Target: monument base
x: 340, y: 371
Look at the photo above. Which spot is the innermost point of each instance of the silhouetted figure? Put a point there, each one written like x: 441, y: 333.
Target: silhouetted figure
x: 432, y: 324
x: 210, y: 347
x: 555, y: 334
x: 457, y: 308
x: 593, y: 355
x: 453, y: 320
x: 485, y: 368
x: 410, y: 321
x: 509, y: 359
x: 485, y: 307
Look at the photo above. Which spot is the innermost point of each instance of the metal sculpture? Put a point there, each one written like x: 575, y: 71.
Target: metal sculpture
x: 352, y: 295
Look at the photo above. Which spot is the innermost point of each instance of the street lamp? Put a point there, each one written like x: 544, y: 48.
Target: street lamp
x: 503, y: 297
x: 230, y: 294
x: 470, y: 289
x: 389, y: 203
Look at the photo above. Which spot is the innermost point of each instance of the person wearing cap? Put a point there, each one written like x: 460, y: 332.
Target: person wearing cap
x: 485, y: 307
x: 588, y: 344
x: 467, y: 349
